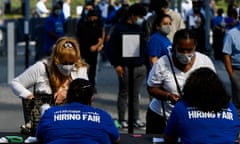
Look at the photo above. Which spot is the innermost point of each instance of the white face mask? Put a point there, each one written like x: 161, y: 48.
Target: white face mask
x: 165, y: 30
x: 139, y: 21
x: 65, y: 69
x: 184, y: 58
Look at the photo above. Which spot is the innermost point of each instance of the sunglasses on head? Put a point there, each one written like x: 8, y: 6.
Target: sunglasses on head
x: 67, y: 45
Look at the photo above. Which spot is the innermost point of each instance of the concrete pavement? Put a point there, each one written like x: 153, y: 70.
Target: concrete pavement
x: 106, y: 98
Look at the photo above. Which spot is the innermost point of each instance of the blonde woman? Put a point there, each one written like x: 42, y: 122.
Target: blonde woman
x: 49, y: 78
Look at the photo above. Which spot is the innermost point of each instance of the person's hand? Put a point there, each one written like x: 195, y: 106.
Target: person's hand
x: 100, y: 48
x: 93, y: 48
x: 120, y: 71
x: 60, y: 96
x: 30, y: 97
x: 173, y: 98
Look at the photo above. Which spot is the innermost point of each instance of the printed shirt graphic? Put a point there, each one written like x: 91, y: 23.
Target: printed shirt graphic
x: 77, y: 123
x: 195, y: 126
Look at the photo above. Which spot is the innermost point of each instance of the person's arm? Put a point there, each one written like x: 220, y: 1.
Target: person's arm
x: 155, y: 88
x: 98, y: 47
x: 161, y: 94
x: 41, y: 7
x: 102, y: 39
x: 119, y: 70
x: 25, y: 80
x: 153, y: 60
x: 228, y: 64
x: 227, y: 51
x: 110, y: 33
x: 113, y: 50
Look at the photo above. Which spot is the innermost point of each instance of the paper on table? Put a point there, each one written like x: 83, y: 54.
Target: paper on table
x: 156, y: 140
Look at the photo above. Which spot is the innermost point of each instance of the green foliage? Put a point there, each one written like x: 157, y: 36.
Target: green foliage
x: 16, y: 6
x: 222, y: 4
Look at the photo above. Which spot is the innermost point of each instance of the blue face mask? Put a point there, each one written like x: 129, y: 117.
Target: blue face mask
x: 85, y: 12
x: 139, y: 21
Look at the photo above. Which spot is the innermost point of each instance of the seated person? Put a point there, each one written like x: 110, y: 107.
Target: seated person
x: 77, y: 121
x: 205, y: 113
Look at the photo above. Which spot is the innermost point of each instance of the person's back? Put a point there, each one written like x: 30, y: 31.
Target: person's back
x: 77, y: 121
x: 195, y: 126
x: 205, y: 113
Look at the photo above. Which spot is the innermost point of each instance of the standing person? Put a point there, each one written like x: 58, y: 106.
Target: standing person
x: 49, y: 79
x: 186, y: 6
x: 89, y: 5
x: 231, y: 19
x: 67, y: 9
x: 103, y: 7
x: 132, y: 23
x: 90, y: 35
x: 231, y: 51
x: 167, y: 76
x: 41, y: 9
x: 159, y: 6
x: 54, y: 28
x: 218, y: 28
x: 204, y: 114
x: 158, y: 44
x: 77, y: 121
x: 195, y: 20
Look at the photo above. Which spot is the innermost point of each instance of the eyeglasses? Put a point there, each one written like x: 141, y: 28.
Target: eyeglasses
x: 67, y: 45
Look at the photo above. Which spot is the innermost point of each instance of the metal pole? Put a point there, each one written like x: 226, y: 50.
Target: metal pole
x: 11, y: 52
x: 179, y: 6
x: 172, y: 6
x: 26, y: 31
x: 207, y: 25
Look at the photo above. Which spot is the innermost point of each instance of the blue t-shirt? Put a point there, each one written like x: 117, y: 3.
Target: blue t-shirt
x: 231, y: 45
x: 194, y: 126
x: 53, y: 24
x: 76, y: 123
x: 158, y: 45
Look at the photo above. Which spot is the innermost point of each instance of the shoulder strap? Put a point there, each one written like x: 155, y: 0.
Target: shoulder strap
x: 164, y: 111
x: 48, y: 75
x: 174, y: 75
